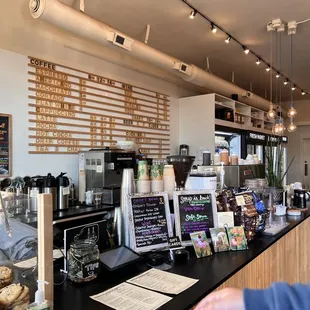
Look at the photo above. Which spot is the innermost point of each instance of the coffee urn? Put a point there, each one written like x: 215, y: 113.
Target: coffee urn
x: 50, y: 187
x: 63, y: 191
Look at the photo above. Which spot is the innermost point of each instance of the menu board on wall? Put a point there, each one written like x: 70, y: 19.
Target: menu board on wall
x: 5, y: 145
x: 150, y: 222
x: 194, y: 211
x: 72, y: 110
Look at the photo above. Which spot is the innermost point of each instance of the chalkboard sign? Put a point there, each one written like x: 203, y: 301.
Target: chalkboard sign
x: 194, y: 211
x: 5, y: 145
x: 150, y: 222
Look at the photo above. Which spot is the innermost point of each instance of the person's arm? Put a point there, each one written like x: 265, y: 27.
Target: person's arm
x: 279, y: 296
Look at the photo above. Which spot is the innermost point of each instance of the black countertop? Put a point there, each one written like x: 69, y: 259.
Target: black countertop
x: 71, y: 212
x: 211, y: 271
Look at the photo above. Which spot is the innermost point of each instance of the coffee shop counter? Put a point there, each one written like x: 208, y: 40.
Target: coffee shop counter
x: 73, y: 213
x: 284, y: 257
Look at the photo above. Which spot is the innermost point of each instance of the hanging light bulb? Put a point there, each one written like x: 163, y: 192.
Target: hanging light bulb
x: 291, y: 127
x: 275, y: 129
x: 291, y: 113
x: 271, y: 114
x: 193, y: 14
x: 281, y: 127
x: 213, y: 28
x: 228, y: 39
x: 258, y: 61
x: 246, y: 50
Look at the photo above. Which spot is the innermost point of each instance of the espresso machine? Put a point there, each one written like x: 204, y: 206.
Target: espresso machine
x: 104, y: 171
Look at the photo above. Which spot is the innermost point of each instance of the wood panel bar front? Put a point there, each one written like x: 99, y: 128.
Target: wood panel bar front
x: 286, y: 260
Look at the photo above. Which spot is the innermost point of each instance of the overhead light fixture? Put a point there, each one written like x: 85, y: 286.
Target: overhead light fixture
x: 285, y: 82
x: 281, y: 127
x: 228, y: 39
x: 193, y: 14
x: 293, y: 87
x: 258, y: 61
x: 213, y: 28
x: 291, y: 113
x: 303, y: 92
x: 277, y: 75
x: 271, y: 114
x: 246, y: 50
x: 268, y: 69
x: 291, y: 127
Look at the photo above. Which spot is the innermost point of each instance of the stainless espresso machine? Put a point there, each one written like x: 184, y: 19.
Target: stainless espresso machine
x: 104, y: 171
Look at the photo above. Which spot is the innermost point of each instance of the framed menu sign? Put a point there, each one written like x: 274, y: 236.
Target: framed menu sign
x: 150, y: 222
x: 5, y: 145
x: 194, y: 211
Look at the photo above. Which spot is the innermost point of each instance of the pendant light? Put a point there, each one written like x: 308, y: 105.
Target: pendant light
x: 271, y: 114
x: 291, y: 113
x: 291, y: 127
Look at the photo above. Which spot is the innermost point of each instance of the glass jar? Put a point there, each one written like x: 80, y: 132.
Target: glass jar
x: 83, y: 261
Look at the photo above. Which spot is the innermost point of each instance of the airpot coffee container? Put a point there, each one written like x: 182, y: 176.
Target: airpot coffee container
x: 50, y: 187
x: 63, y: 191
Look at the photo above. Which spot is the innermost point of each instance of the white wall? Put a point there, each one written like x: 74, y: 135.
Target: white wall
x: 23, y: 35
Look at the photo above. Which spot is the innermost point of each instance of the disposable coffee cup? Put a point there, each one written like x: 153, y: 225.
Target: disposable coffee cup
x: 143, y: 170
x: 157, y: 186
x: 143, y: 186
x: 156, y: 173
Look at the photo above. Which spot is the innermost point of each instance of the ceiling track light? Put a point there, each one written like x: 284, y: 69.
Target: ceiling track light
x: 258, y: 61
x: 228, y: 39
x: 293, y: 87
x: 246, y: 50
x: 267, y: 69
x: 285, y: 82
x: 213, y: 28
x: 193, y: 14
x: 303, y: 92
x: 277, y: 75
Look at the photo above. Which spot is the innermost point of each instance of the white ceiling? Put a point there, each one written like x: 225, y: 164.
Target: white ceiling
x: 191, y: 40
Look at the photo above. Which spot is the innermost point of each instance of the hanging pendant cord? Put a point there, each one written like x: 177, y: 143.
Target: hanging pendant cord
x: 270, y: 70
x: 292, y: 104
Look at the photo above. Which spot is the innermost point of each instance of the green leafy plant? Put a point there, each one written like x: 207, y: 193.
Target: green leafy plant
x: 274, y: 168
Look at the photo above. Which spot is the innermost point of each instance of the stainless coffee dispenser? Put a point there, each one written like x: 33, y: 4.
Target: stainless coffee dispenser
x: 50, y: 187
x: 63, y: 191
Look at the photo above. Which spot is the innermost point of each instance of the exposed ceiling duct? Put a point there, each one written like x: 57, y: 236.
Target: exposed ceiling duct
x: 67, y: 18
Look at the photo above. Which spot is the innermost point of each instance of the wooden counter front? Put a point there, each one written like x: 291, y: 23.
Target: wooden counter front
x: 286, y: 260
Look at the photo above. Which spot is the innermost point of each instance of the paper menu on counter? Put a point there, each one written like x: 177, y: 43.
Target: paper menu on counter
x: 163, y: 282
x: 130, y: 297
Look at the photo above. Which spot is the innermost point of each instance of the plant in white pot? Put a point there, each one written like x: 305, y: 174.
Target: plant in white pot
x: 274, y: 168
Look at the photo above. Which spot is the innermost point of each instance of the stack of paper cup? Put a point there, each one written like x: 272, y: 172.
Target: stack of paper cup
x: 169, y: 180
x: 157, y: 183
x: 143, y: 179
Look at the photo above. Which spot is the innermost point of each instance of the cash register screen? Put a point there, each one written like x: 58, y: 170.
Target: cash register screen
x: 119, y: 257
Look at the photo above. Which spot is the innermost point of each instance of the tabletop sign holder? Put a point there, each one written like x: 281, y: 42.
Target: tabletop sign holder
x: 149, y: 222
x: 5, y: 145
x: 194, y: 211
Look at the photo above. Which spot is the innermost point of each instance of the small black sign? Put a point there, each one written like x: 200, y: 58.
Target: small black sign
x: 174, y: 243
x: 195, y: 212
x: 255, y: 136
x: 151, y: 221
x: 90, y: 268
x: 5, y: 145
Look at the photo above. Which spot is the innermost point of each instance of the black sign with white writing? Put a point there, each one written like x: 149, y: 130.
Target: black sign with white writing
x: 174, y: 242
x: 196, y: 214
x: 5, y: 145
x: 90, y: 268
x: 149, y: 221
x: 258, y: 137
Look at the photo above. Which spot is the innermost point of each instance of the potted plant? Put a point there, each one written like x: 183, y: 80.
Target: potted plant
x: 274, y: 168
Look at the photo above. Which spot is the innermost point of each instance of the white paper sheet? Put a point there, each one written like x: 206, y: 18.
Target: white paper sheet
x: 225, y: 219
x: 130, y: 297
x: 162, y: 281
x: 31, y: 262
